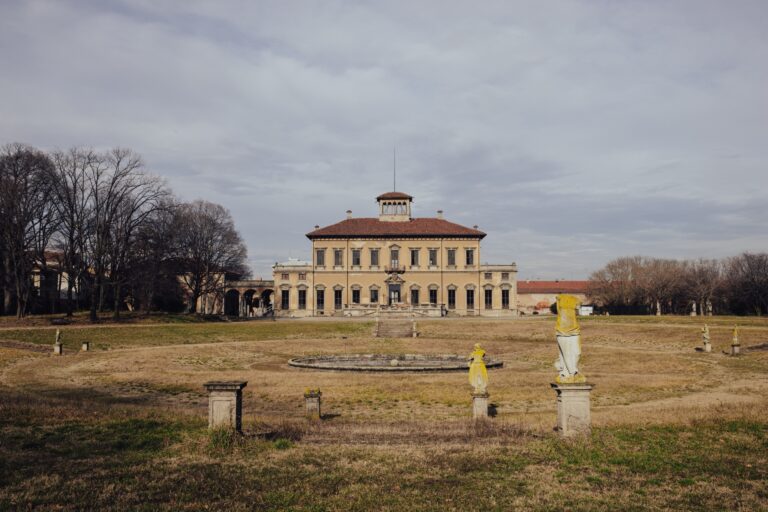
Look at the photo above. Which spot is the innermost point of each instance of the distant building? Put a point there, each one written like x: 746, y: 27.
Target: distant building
x: 536, y: 297
x: 428, y: 265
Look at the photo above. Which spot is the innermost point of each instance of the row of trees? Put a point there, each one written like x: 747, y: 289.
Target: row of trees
x: 115, y: 233
x: 633, y: 285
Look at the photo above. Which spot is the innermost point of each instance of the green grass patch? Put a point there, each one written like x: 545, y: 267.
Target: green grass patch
x: 103, y: 337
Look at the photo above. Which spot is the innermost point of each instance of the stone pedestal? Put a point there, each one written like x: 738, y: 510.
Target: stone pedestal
x: 707, y: 347
x: 312, y: 399
x: 735, y: 350
x: 480, y: 406
x: 573, y: 414
x: 58, y: 349
x: 225, y: 404
x: 86, y: 346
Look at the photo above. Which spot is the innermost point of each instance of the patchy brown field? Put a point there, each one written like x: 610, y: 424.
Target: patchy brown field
x: 674, y: 428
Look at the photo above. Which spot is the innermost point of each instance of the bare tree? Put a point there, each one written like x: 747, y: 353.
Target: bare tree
x: 73, y: 201
x: 747, y: 281
x: 615, y: 285
x: 661, y: 281
x: 703, y: 279
x: 152, y: 266
x: 139, y: 196
x: 29, y: 218
x: 209, y: 249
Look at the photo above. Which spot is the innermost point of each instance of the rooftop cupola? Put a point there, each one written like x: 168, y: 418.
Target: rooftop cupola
x: 394, y: 207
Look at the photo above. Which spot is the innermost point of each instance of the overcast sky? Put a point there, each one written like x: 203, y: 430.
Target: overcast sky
x: 571, y: 132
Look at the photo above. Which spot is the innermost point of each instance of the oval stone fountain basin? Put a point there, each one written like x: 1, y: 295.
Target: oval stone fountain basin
x: 390, y: 362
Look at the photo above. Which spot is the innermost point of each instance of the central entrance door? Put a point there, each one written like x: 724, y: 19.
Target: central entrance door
x: 394, y: 294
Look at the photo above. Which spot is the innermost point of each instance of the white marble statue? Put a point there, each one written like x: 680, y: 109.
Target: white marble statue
x: 568, y: 340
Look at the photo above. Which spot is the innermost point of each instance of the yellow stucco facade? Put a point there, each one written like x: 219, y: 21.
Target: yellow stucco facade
x: 427, y: 265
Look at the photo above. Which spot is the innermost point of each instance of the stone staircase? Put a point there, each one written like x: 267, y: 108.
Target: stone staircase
x: 395, y: 325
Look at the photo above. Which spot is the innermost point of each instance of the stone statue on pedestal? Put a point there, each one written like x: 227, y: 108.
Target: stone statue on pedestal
x: 568, y: 340
x: 705, y: 338
x: 478, y: 375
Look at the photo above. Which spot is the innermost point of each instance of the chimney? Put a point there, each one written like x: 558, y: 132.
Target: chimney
x: 439, y: 214
x: 349, y: 214
x: 475, y: 226
x: 317, y: 227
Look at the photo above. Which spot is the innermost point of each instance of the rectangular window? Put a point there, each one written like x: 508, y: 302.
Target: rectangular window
x: 415, y: 257
x: 337, y: 299
x: 505, y: 276
x: 470, y: 299
x: 504, y: 299
x: 338, y: 257
x: 355, y: 296
x: 433, y: 257
x: 374, y: 296
x: 415, y: 297
x: 302, y: 299
x: 488, y: 299
x: 320, y: 299
x: 452, y: 257
x: 451, y: 299
x: 302, y: 276
x: 433, y: 297
x: 374, y: 257
x: 356, y: 257
x: 284, y: 276
x: 488, y: 275
x: 394, y: 258
x: 320, y: 257
x: 470, y: 256
x: 285, y: 298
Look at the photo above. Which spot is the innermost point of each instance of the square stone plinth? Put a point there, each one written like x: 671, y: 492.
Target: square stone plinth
x: 480, y: 406
x: 86, y: 346
x: 735, y: 350
x: 225, y: 404
x: 312, y: 400
x: 573, y: 409
x: 58, y: 349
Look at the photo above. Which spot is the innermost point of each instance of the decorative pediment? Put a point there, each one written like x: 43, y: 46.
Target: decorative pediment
x: 394, y: 279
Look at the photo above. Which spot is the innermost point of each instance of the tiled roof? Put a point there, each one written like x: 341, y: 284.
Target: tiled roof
x: 394, y: 195
x: 373, y: 227
x: 552, y: 286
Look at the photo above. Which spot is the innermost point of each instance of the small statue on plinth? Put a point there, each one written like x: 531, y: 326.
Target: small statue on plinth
x: 58, y: 347
x: 735, y: 344
x: 568, y: 341
x: 478, y: 374
x: 705, y: 338
x: 478, y: 379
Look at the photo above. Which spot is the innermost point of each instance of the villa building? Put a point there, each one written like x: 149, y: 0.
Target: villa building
x: 427, y: 265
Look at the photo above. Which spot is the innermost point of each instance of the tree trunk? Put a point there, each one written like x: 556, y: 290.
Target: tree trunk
x: 658, y: 308
x: 94, y: 298
x: 8, y: 286
x: 116, y: 313
x: 69, y: 296
x: 102, y: 291
x: 21, y: 300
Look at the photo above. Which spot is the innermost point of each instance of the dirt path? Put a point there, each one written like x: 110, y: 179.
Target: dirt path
x: 20, y: 345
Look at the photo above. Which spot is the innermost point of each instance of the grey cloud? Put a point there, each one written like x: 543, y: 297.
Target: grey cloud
x: 647, y: 120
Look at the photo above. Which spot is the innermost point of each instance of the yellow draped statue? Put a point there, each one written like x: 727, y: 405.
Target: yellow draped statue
x: 568, y: 340
x: 478, y: 375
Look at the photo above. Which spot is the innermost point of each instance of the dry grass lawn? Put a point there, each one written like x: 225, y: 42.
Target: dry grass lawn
x: 123, y: 426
